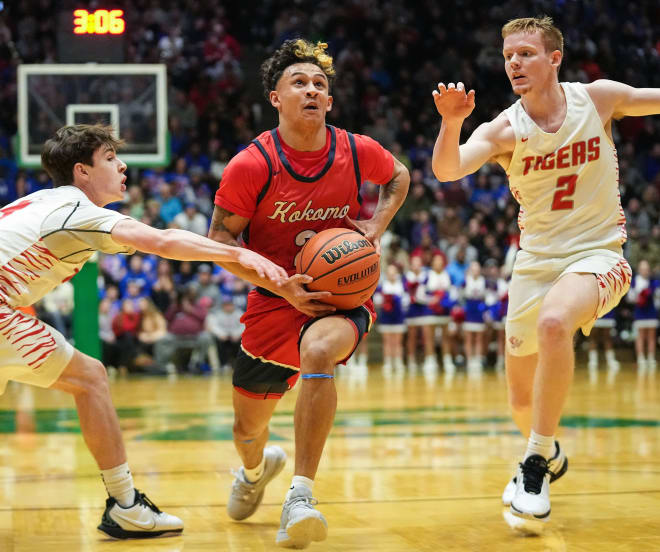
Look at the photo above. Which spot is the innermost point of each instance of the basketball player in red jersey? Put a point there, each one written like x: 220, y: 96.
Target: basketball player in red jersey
x: 290, y: 183
x: 556, y: 146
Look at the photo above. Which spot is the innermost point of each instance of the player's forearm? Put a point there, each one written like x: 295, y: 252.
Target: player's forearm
x: 247, y: 274
x: 186, y: 246
x: 251, y: 276
x: 392, y: 195
x: 446, y: 161
x: 644, y: 101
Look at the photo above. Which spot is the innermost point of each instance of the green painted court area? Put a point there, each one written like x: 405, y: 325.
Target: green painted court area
x: 351, y: 424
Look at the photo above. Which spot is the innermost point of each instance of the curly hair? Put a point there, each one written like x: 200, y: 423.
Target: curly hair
x: 297, y: 50
x: 74, y: 144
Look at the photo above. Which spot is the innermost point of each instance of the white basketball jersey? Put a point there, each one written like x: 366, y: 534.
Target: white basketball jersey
x: 46, y: 237
x: 567, y: 182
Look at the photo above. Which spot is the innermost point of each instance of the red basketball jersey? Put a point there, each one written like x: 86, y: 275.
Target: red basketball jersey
x: 289, y: 196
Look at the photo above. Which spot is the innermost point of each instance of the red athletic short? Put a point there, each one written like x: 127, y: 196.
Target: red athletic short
x: 269, y: 359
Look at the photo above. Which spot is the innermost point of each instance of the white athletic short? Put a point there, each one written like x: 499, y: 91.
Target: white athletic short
x: 30, y: 351
x: 534, y: 275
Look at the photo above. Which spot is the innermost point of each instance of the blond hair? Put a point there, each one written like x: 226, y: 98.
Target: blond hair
x: 552, y: 37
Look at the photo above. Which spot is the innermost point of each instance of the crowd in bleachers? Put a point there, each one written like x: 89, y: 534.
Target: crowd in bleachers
x: 450, y: 248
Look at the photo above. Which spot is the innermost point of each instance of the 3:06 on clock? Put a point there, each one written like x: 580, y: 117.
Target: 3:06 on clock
x: 98, y: 22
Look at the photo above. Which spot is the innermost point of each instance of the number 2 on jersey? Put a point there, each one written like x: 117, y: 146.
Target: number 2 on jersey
x: 565, y: 189
x: 301, y: 239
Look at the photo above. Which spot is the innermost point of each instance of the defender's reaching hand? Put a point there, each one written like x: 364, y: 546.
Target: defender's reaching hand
x: 452, y: 102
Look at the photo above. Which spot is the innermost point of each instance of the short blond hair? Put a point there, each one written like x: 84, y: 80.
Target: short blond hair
x: 552, y: 37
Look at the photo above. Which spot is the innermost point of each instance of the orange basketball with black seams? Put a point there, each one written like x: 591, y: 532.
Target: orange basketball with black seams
x: 342, y: 262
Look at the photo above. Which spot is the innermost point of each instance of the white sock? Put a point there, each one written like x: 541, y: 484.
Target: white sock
x: 540, y: 444
x: 593, y: 356
x: 609, y: 355
x: 300, y: 481
x: 119, y: 484
x: 253, y: 475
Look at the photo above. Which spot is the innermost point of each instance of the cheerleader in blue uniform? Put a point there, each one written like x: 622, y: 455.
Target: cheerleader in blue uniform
x: 442, y: 300
x: 419, y: 317
x: 473, y: 328
x: 642, y: 294
x: 391, y: 300
x: 496, y: 300
x: 602, y: 333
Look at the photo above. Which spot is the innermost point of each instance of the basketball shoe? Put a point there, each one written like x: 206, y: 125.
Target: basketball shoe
x: 532, y: 498
x: 301, y: 523
x: 557, y: 466
x: 142, y: 520
x: 245, y: 497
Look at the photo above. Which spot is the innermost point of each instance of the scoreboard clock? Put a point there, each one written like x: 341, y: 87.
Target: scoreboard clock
x: 98, y: 22
x: 91, y: 35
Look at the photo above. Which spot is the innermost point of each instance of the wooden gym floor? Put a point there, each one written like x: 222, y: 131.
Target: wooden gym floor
x: 411, y: 464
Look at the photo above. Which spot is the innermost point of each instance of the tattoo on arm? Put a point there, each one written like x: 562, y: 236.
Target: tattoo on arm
x: 392, y: 194
x: 219, y: 231
x: 388, y: 190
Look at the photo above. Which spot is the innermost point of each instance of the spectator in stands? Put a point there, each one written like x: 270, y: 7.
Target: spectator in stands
x: 206, y: 287
x: 109, y: 348
x: 225, y: 325
x: 163, y: 292
x: 191, y: 219
x: 152, y: 328
x: 186, y: 319
x: 135, y: 273
x: 170, y: 205
x: 125, y: 326
x: 152, y: 214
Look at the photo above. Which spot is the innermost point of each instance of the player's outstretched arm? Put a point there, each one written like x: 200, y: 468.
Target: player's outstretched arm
x: 187, y: 246
x: 614, y: 100
x: 450, y: 160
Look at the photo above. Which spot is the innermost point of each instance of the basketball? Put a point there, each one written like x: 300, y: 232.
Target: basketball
x: 342, y: 262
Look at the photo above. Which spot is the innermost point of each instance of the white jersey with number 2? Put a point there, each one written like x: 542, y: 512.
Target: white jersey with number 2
x: 566, y: 182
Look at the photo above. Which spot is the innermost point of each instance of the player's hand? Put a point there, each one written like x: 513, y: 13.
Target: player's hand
x: 369, y: 229
x: 452, y: 102
x: 262, y: 266
x: 307, y: 302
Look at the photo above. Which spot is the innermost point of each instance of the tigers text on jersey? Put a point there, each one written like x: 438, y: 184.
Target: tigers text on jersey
x: 289, y: 196
x: 566, y: 182
x: 47, y: 237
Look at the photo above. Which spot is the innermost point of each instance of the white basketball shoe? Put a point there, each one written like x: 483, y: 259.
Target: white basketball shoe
x: 557, y: 466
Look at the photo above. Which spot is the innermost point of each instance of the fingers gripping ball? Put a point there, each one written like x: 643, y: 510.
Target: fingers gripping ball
x: 342, y: 262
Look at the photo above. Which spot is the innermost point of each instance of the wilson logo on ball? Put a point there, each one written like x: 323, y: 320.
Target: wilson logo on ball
x: 342, y: 262
x: 345, y: 248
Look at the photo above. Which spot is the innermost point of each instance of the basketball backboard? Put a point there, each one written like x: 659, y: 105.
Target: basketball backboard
x: 132, y: 98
